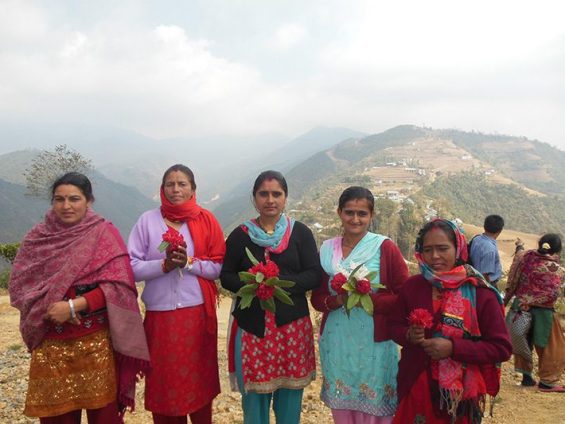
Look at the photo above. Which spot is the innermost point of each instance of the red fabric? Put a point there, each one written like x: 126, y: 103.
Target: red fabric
x: 202, y: 416
x: 417, y: 406
x: 54, y: 257
x: 492, y: 347
x: 179, y: 212
x: 107, y: 415
x: 87, y: 325
x: 393, y: 273
x: 267, y: 361
x: 184, y: 373
x: 209, y: 244
x: 95, y: 299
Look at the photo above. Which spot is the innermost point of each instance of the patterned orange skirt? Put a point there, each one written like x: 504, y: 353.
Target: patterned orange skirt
x: 70, y: 374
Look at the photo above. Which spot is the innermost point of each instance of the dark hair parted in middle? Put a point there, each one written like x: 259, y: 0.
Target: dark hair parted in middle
x: 77, y: 179
x: 270, y: 175
x: 554, y: 242
x: 181, y: 168
x: 356, y: 193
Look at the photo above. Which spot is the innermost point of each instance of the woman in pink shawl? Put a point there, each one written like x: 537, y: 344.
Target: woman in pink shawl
x: 79, y: 316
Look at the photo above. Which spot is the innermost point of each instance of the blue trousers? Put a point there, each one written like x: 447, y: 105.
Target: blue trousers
x: 287, y: 403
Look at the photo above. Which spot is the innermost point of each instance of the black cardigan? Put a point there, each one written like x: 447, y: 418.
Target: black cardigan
x: 299, y: 263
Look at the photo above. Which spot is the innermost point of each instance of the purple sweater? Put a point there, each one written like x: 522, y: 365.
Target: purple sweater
x: 165, y: 292
x: 493, y: 347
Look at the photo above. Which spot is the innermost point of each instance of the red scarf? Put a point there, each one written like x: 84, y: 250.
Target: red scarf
x: 209, y: 245
x: 52, y: 258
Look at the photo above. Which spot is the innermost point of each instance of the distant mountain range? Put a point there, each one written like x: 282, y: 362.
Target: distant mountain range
x: 19, y: 212
x: 429, y: 167
x: 470, y: 175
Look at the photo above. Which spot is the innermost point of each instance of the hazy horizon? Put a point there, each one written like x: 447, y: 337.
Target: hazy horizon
x: 242, y: 69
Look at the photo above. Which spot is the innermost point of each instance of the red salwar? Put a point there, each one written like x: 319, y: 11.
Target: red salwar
x: 184, y: 376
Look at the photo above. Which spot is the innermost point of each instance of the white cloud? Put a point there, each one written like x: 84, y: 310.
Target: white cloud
x: 285, y: 66
x: 288, y: 35
x: 74, y: 45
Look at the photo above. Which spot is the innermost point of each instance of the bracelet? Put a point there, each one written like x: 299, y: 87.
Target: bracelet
x: 72, y: 306
x: 163, y: 267
x: 189, y: 262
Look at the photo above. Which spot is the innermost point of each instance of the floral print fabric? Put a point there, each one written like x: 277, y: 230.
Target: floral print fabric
x: 358, y: 373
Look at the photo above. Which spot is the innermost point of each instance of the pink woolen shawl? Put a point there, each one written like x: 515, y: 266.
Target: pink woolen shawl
x: 52, y: 258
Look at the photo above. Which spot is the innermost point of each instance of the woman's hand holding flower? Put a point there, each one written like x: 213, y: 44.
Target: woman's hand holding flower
x: 176, y: 258
x: 415, y: 334
x: 437, y: 348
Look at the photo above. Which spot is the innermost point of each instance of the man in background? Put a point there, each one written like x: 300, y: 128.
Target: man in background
x: 484, y: 250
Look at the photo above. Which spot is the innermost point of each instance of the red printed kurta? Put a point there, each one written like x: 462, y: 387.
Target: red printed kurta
x: 284, y: 358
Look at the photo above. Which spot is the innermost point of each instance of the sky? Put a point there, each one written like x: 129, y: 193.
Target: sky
x: 169, y: 69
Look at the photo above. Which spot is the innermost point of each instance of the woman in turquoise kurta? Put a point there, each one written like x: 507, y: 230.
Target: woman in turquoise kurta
x: 359, y: 362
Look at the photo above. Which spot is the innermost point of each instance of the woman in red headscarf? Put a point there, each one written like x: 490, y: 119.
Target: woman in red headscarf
x: 180, y: 299
x: 449, y: 321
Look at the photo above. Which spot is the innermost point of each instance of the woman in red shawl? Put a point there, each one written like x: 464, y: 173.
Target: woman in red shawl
x: 180, y: 299
x: 449, y: 321
x: 79, y: 316
x: 536, y: 281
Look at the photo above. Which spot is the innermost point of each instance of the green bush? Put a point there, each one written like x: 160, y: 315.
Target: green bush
x: 4, y: 278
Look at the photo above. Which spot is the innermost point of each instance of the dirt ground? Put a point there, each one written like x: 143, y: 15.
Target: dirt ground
x: 514, y: 403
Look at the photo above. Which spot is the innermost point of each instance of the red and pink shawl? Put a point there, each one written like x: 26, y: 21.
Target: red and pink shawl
x: 52, y: 258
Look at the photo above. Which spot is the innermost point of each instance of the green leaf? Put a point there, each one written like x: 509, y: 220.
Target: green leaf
x: 371, y: 275
x: 378, y: 286
x: 248, y: 288
x: 348, y: 287
x: 246, y: 300
x: 246, y: 277
x: 268, y: 305
x: 259, y: 277
x: 285, y: 283
x: 163, y: 246
x: 352, y: 300
x: 367, y: 304
x: 251, y: 257
x: 283, y: 296
x: 271, y: 281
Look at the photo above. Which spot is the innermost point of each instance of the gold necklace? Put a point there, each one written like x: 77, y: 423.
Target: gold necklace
x: 269, y: 232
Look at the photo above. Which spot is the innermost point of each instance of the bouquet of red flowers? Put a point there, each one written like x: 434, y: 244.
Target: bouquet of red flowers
x: 172, y: 240
x: 356, y: 283
x: 420, y: 318
x: 262, y: 281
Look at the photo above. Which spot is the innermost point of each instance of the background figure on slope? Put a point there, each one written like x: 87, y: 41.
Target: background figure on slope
x: 484, y: 254
x: 532, y: 320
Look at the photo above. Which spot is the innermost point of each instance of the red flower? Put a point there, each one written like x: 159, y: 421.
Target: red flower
x: 260, y: 267
x: 270, y: 270
x: 421, y: 318
x: 174, y: 239
x: 337, y: 283
x: 264, y: 291
x: 363, y: 286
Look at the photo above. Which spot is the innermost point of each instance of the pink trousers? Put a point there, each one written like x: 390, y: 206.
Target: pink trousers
x: 346, y: 416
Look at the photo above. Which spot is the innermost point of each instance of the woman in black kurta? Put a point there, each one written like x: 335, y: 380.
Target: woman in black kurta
x: 272, y: 354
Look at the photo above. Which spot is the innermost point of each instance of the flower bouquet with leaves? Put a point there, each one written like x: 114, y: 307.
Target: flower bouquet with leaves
x: 355, y: 283
x: 262, y: 281
x: 172, y: 240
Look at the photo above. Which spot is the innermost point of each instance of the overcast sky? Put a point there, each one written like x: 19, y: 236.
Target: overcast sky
x: 176, y: 68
